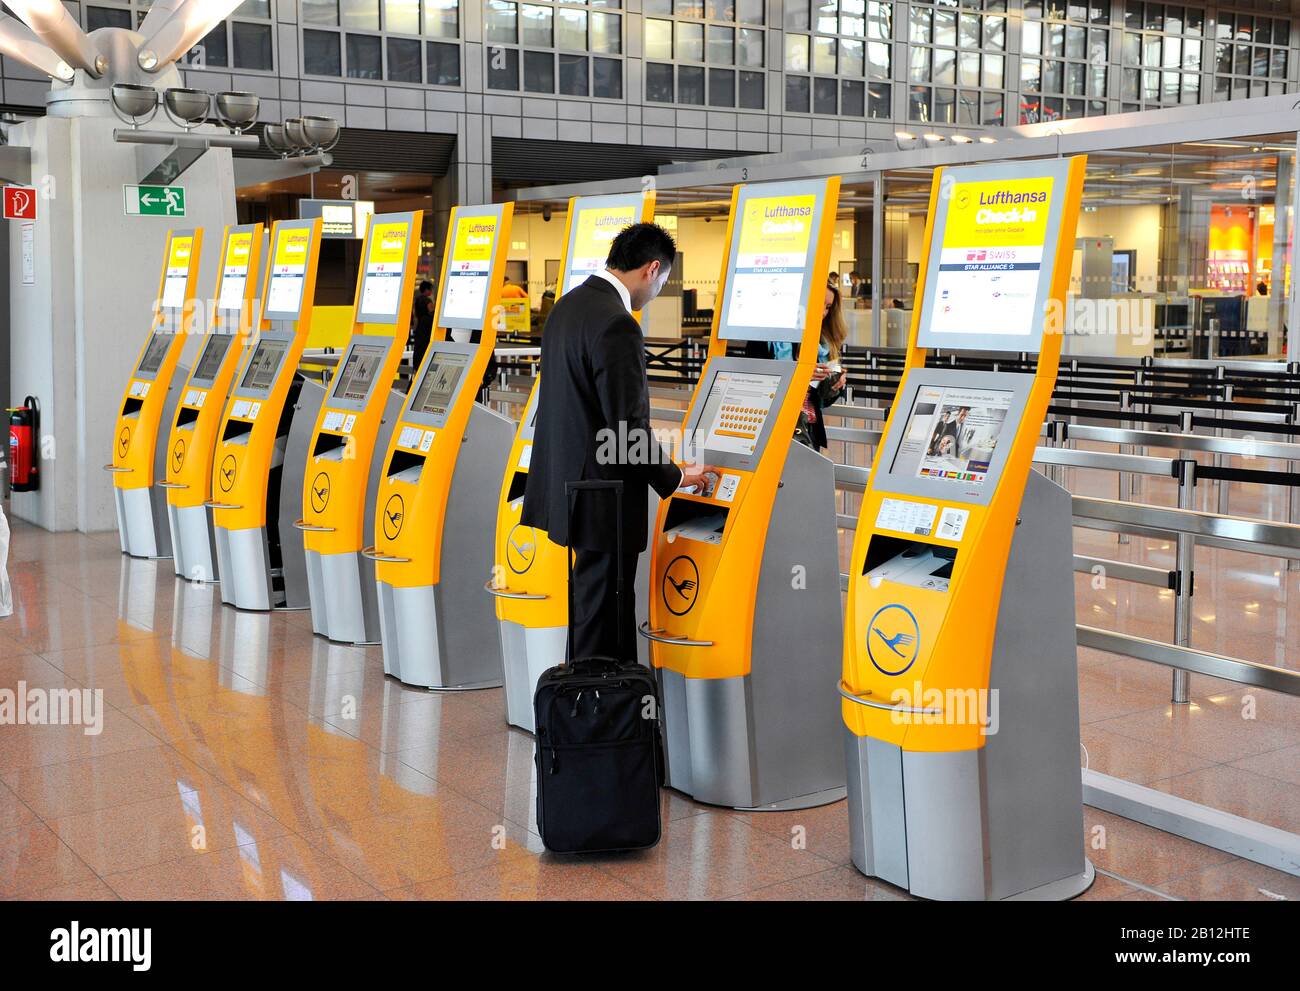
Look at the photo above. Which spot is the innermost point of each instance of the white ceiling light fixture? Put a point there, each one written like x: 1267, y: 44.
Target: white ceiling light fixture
x: 178, y: 33
x: 19, y: 43
x: 961, y: 139
x: 987, y: 140
x: 933, y: 138
x: 52, y: 24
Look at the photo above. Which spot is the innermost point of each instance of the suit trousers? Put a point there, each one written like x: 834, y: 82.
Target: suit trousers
x: 601, y: 626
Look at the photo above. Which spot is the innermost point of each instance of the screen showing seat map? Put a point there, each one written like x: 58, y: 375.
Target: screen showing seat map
x: 952, y: 433
x: 735, y: 411
x: 438, y: 387
x: 360, y: 368
x: 264, y: 364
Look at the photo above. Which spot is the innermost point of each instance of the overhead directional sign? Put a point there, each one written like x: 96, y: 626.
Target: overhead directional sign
x: 153, y: 201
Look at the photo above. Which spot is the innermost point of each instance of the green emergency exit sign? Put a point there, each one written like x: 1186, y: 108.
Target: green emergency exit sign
x: 154, y: 201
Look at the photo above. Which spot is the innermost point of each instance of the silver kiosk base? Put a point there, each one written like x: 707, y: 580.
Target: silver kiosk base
x: 770, y: 739
x: 194, y: 544
x: 341, y: 587
x: 142, y: 526
x: 439, y: 636
x: 1004, y: 821
x: 249, y: 580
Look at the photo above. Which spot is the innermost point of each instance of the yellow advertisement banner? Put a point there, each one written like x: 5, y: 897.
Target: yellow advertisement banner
x: 998, y: 214
x: 178, y: 253
x: 291, y: 246
x: 388, y: 243
x: 238, y: 246
x: 475, y: 238
x: 596, y: 228
x: 776, y: 225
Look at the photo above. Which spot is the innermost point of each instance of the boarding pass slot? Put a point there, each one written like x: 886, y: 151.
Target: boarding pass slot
x: 909, y: 562
x: 186, y: 416
x: 236, y: 432
x: 405, y: 466
x: 694, y: 520
x: 132, y: 406
x: 329, y: 446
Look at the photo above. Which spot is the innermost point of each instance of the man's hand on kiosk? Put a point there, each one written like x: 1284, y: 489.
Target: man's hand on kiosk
x: 699, y: 479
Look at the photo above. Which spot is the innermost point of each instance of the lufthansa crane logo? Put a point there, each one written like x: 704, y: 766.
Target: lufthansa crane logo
x: 394, y: 516
x: 124, y: 440
x: 320, y: 492
x: 178, y: 454
x: 521, y: 548
x: 226, y: 473
x: 893, y: 639
x: 681, y: 585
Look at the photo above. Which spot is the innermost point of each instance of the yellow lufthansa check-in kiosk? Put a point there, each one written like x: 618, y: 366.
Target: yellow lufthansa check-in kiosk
x: 434, y: 525
x: 140, y: 441
x: 959, y: 691
x: 202, y: 403
x: 745, y: 613
x: 261, y: 447
x: 529, y: 577
x: 356, y: 419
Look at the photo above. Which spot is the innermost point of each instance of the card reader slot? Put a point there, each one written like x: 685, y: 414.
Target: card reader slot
x: 405, y: 466
x: 186, y: 415
x: 132, y: 406
x: 695, y: 520
x: 909, y: 562
x: 237, y: 431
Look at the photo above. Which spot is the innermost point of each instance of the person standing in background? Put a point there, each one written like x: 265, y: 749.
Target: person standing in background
x: 422, y: 320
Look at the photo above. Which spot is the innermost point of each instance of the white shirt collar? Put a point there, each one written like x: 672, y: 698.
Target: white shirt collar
x: 623, y: 294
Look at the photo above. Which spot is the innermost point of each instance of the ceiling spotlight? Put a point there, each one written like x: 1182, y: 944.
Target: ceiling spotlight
x: 187, y: 108
x: 294, y: 136
x: 237, y: 111
x: 133, y: 104
x: 933, y: 138
x: 320, y: 133
x: 904, y: 136
x: 274, y: 139
x: 986, y: 140
x: 960, y: 139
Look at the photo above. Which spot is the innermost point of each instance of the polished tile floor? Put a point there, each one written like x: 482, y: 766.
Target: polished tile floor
x: 243, y: 758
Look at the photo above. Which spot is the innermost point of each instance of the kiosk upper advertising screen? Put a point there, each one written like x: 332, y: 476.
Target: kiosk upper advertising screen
x: 952, y: 433
x: 771, y: 255
x: 381, y: 286
x: 359, y: 370
x: 736, y: 410
x: 264, y: 364
x: 210, y: 360
x: 596, y: 222
x: 465, y: 290
x: 288, y: 272
x: 154, y: 352
x: 438, y: 387
x: 178, y: 269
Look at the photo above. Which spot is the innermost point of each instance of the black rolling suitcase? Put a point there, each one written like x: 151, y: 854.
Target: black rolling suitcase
x: 598, y: 749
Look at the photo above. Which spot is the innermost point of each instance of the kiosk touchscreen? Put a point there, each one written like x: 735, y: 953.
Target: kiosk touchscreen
x: 355, y: 421
x: 140, y: 454
x: 434, y: 528
x: 202, y: 403
x: 959, y: 691
x: 528, y: 578
x: 261, y: 445
x: 745, y: 614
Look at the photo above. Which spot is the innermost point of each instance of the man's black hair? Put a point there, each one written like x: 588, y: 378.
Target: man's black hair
x: 639, y: 245
x: 426, y: 284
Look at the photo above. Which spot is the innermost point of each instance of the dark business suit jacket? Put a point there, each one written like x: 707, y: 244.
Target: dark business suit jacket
x: 594, y: 380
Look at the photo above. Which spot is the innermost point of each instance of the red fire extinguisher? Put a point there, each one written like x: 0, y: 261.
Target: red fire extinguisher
x: 24, y: 432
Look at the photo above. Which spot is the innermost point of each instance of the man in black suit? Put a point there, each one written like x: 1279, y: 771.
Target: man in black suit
x: 593, y: 422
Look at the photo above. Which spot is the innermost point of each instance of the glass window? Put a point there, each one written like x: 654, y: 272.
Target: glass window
x: 919, y: 26
x: 503, y: 68
x: 690, y: 42
x: 796, y: 15
x: 827, y: 16
x: 689, y: 8
x: 798, y: 94
x: 995, y: 33
x: 318, y: 12
x: 606, y: 33
x: 878, y: 60
x: 722, y: 46
x: 442, y: 63
x: 535, y: 25
x: 252, y: 45
x: 852, y: 62
x: 539, y: 72
x: 1031, y: 74
x: 402, y: 16
x: 658, y: 38
x: 751, y: 47
x: 853, y: 98
x: 607, y: 78
x: 994, y: 70
x: 442, y: 19
x: 212, y: 49
x: 878, y: 100
x: 918, y: 65
x: 573, y: 75
x: 824, y: 50
x: 750, y: 12
x: 969, y: 71
x: 968, y: 35
x: 658, y: 83
x: 796, y: 52
x: 500, y: 22
x: 918, y: 103
x: 360, y: 15
x: 571, y: 29
x: 751, y: 90
x: 690, y: 84
x: 722, y: 88
x: 321, y: 53
x: 107, y: 17
x: 945, y: 66
x: 945, y: 106
x: 404, y: 60
x: 945, y: 27
x: 991, y: 109
x: 363, y: 56
x: 826, y: 94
